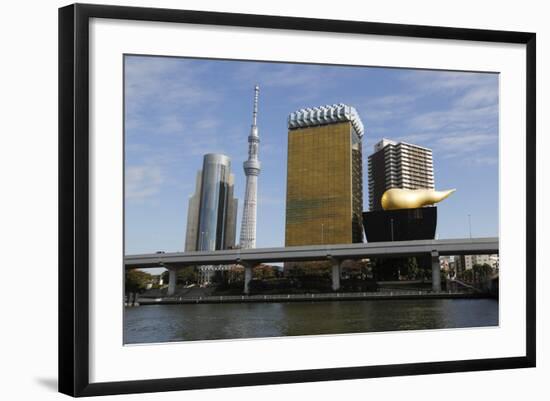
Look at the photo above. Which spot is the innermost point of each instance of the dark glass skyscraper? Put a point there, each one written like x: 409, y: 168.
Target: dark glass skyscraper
x: 212, y: 209
x: 212, y: 213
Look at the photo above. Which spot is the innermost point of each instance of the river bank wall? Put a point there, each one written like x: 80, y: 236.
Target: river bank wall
x: 382, y: 295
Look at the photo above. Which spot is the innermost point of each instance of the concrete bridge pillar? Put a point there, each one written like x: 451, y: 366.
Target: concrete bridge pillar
x: 336, y: 273
x: 436, y: 272
x: 172, y: 278
x: 247, y: 277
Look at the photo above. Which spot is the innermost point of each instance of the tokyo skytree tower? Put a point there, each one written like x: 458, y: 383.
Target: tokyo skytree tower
x: 251, y: 170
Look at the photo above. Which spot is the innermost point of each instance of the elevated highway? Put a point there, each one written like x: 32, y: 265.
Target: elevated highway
x: 249, y: 258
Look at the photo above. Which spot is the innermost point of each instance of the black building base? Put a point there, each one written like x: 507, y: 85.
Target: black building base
x: 400, y: 225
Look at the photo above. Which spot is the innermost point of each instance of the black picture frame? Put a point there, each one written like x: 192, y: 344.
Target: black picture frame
x: 74, y: 198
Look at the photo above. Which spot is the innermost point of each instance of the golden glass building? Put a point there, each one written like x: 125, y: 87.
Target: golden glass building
x: 324, y: 199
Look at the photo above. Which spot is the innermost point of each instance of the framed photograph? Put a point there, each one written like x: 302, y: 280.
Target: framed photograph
x: 277, y: 199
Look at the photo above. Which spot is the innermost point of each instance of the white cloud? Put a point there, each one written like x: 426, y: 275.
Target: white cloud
x: 417, y: 138
x: 392, y: 100
x: 483, y: 160
x: 164, y: 80
x: 446, y: 80
x: 280, y: 75
x: 455, y: 118
x: 207, y: 124
x: 142, y: 182
x: 468, y: 141
x: 463, y: 126
x: 161, y: 91
x: 479, y: 97
x: 310, y: 81
x: 170, y: 124
x: 378, y: 111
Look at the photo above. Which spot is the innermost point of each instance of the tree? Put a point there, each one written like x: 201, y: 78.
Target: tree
x: 135, y: 282
x: 165, y: 275
x: 265, y: 272
x: 354, y: 268
x: 467, y: 275
x: 482, y: 272
x: 412, y: 271
x: 186, y: 275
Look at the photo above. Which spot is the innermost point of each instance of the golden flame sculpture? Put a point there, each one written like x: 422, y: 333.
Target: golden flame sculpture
x: 397, y: 198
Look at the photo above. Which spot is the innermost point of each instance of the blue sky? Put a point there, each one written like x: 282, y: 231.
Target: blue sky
x: 178, y: 109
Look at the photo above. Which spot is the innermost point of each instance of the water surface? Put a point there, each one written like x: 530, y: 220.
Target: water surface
x: 161, y: 323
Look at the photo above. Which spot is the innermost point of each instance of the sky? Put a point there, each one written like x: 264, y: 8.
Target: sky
x: 178, y: 109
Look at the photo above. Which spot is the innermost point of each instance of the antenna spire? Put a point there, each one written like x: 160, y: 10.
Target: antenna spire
x: 252, y: 169
x: 255, y: 112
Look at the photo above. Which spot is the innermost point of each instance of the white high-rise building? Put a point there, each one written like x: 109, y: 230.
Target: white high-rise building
x: 471, y: 260
x: 251, y: 170
x: 398, y: 165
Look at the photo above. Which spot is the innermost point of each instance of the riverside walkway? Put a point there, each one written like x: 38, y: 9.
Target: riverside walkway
x: 340, y: 296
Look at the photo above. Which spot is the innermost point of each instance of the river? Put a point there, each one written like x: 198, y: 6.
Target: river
x: 162, y: 323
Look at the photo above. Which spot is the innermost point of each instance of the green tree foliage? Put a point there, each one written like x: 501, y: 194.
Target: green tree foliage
x: 236, y: 274
x: 265, y: 272
x: 404, y: 268
x: 136, y: 280
x: 477, y: 274
x: 412, y: 271
x: 355, y: 269
x: 165, y: 277
x: 187, y: 275
x: 482, y: 272
x: 467, y: 275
